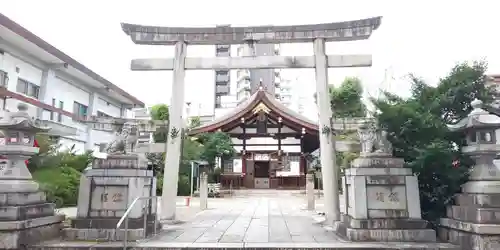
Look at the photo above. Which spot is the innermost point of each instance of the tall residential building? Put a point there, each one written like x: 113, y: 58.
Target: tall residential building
x: 60, y: 91
x: 222, y: 77
x: 249, y: 81
x: 284, y: 91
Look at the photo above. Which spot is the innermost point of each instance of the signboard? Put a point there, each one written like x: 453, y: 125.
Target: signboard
x: 261, y: 157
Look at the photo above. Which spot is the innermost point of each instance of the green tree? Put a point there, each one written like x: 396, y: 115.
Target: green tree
x: 417, y: 129
x: 160, y: 112
x: 194, y: 122
x: 346, y: 100
x: 216, y: 144
x: 191, y: 150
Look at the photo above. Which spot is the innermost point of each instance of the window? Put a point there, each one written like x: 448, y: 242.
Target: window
x: 80, y: 110
x: 240, y: 51
x: 486, y: 137
x: 4, y: 79
x: 218, y: 101
x: 52, y: 112
x: 27, y: 88
x: 61, y: 106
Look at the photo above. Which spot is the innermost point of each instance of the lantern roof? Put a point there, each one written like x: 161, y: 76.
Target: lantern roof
x: 21, y: 120
x: 477, y: 118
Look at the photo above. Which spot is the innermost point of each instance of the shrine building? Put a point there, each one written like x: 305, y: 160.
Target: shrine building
x: 272, y: 144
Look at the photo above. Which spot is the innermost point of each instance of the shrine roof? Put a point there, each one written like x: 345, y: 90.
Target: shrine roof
x: 261, y: 96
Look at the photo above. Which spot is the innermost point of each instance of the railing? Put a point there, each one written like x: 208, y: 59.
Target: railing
x: 149, y: 205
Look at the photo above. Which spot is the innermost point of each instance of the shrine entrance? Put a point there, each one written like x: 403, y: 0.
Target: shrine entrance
x: 318, y: 34
x: 261, y: 177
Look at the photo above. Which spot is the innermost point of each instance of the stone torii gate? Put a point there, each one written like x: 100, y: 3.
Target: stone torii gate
x: 317, y: 33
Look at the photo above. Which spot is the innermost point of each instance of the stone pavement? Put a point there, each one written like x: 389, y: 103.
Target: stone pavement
x: 267, y: 221
x: 250, y: 219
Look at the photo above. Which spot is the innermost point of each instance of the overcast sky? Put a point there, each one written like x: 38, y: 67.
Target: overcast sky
x: 423, y: 37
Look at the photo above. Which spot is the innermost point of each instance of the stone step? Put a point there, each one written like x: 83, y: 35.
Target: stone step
x: 478, y: 200
x: 265, y: 192
x: 75, y: 245
x: 479, y: 215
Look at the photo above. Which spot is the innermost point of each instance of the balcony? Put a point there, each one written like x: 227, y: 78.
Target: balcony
x: 243, y: 74
x: 222, y: 77
x: 222, y: 89
x: 242, y: 84
x: 59, y: 129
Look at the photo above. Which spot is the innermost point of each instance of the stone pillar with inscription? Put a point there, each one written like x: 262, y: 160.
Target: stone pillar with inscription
x: 203, y: 191
x: 26, y: 217
x: 382, y: 197
x: 106, y: 191
x: 310, y: 191
x: 474, y: 222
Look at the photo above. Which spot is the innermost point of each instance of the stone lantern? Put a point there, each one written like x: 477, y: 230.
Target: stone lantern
x: 26, y: 216
x: 19, y: 134
x: 473, y: 222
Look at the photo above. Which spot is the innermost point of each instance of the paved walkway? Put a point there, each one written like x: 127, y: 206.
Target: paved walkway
x: 260, y: 221
x: 250, y: 219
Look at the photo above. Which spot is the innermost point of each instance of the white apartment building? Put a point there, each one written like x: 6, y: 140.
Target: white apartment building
x: 244, y: 82
x: 60, y: 91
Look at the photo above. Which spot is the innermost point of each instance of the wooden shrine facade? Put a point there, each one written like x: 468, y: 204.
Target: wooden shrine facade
x: 272, y: 142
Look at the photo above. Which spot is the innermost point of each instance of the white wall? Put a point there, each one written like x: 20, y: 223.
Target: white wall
x: 8, y: 63
x: 108, y: 107
x: 61, y: 87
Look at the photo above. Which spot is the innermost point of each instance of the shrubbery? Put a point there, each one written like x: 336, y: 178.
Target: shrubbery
x: 58, y: 172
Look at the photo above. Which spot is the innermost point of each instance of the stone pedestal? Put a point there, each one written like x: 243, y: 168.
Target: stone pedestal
x: 26, y: 217
x: 203, y: 191
x: 106, y: 191
x: 382, y: 202
x: 310, y: 191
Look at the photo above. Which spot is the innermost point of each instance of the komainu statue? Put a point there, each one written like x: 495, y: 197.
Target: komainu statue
x: 124, y: 140
x: 367, y: 136
x: 373, y: 139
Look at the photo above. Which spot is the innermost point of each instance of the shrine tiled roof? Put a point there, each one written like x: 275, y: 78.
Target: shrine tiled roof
x: 247, y: 106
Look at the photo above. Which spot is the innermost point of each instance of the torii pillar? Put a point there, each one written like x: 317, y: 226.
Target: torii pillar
x: 174, y: 142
